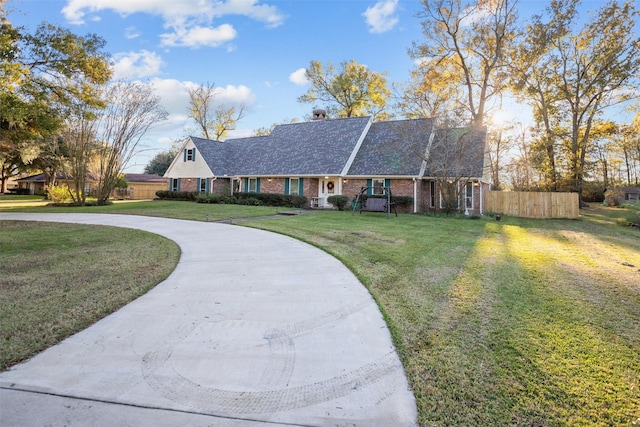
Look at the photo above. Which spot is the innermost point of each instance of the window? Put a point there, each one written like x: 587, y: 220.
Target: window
x: 294, y: 186
x: 378, y: 186
x: 432, y: 191
x: 468, y: 195
x: 253, y: 185
x: 189, y: 154
x: 203, y: 185
x: 175, y: 184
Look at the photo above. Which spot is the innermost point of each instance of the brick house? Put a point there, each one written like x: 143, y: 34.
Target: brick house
x: 321, y: 158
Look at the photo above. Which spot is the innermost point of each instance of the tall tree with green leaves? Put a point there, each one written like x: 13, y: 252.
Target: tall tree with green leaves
x: 571, y: 76
x: 161, y: 162
x: 41, y: 74
x: 350, y: 91
x: 471, y: 40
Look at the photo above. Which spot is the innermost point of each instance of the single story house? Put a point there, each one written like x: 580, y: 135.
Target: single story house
x: 140, y: 185
x: 321, y: 158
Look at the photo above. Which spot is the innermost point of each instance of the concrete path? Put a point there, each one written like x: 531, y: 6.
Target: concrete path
x: 251, y: 329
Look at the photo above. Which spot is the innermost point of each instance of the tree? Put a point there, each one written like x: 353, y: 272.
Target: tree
x: 213, y: 122
x: 79, y: 139
x: 161, y: 162
x: 352, y: 91
x: 41, y: 74
x: 472, y: 41
x: 521, y: 170
x: 131, y: 110
x: 571, y: 77
x: 452, y: 156
x: 499, y: 143
x: 432, y: 91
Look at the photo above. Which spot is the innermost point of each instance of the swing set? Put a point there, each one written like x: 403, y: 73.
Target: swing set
x: 368, y: 203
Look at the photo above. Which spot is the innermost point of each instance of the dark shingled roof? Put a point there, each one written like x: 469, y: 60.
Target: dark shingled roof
x: 393, y: 148
x: 144, y: 177
x: 219, y: 155
x: 320, y: 147
x: 457, y: 152
x: 323, y: 147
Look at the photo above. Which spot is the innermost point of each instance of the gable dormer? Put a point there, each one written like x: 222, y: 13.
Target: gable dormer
x: 189, y: 163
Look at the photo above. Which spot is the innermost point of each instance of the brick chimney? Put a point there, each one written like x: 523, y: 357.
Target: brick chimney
x: 319, y: 114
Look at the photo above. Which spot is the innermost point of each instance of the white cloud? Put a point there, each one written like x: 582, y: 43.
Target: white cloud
x: 299, y: 77
x: 199, y: 36
x: 190, y: 20
x: 234, y: 96
x: 76, y: 11
x: 131, y: 33
x: 381, y: 16
x: 141, y: 64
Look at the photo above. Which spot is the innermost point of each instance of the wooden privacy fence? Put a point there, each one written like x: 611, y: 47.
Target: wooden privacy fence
x: 532, y: 204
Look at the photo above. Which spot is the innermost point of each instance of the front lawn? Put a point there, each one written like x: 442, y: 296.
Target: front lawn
x: 517, y: 322
x: 57, y: 279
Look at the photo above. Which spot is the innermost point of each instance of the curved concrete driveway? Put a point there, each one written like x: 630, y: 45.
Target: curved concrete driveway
x: 252, y: 328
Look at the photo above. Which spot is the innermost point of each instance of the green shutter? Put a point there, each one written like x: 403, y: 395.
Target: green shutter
x: 198, y: 184
x: 193, y: 154
x: 246, y: 185
x: 300, y: 186
x: 179, y: 179
x: 369, y: 185
x: 286, y: 185
x: 206, y: 184
x: 184, y: 155
x: 387, y: 183
x: 257, y: 185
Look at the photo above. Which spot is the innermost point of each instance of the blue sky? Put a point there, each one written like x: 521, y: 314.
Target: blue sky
x: 254, y: 51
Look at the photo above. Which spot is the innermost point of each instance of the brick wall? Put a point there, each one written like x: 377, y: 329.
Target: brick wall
x: 221, y: 186
x: 188, y: 184
x: 272, y: 185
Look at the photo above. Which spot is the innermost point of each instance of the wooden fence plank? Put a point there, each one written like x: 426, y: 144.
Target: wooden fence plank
x: 527, y: 204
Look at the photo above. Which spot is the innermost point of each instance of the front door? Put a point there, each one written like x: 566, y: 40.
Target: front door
x: 327, y: 187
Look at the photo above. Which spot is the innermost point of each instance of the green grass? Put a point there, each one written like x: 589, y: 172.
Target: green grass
x: 57, y: 279
x: 517, y: 322
x: 158, y: 208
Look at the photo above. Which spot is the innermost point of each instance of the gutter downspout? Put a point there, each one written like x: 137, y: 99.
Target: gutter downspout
x: 481, y: 199
x: 415, y: 195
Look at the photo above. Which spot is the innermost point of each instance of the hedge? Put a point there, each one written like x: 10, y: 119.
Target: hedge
x: 251, y: 199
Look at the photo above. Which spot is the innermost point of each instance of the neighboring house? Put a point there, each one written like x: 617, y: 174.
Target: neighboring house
x: 626, y: 194
x: 140, y: 185
x: 321, y: 158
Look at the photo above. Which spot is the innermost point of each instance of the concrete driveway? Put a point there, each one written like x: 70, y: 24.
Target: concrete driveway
x: 252, y: 328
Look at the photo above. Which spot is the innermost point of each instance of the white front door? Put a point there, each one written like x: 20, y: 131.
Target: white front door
x: 327, y: 187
